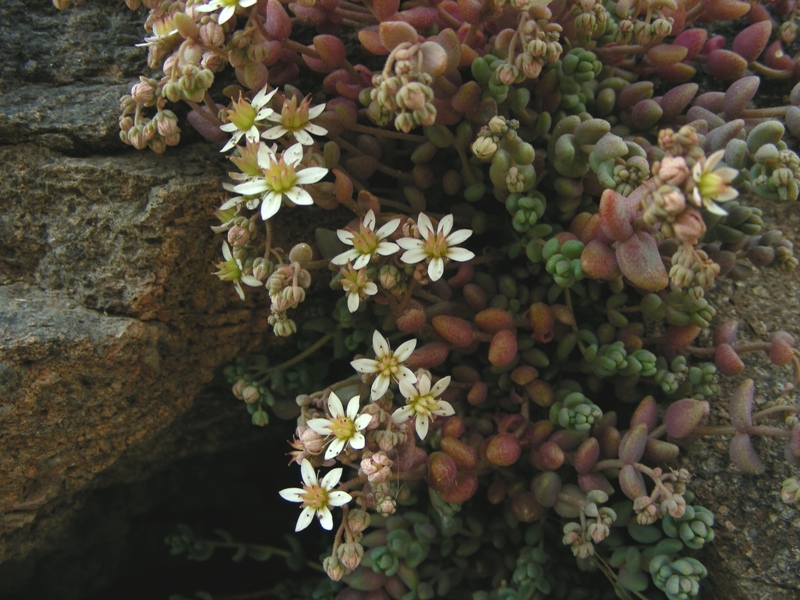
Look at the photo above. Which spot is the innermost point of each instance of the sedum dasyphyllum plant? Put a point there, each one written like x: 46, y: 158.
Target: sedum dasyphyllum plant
x: 531, y: 200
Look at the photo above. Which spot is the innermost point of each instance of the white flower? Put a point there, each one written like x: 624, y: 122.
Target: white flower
x: 244, y: 116
x: 387, y: 364
x: 281, y: 177
x: 232, y: 270
x: 294, y: 119
x: 357, y: 285
x: 366, y: 242
x: 345, y: 427
x: 422, y: 402
x: 228, y: 8
x: 713, y: 184
x: 436, y: 246
x: 316, y: 496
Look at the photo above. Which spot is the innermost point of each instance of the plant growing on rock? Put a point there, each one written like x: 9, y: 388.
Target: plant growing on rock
x: 524, y: 231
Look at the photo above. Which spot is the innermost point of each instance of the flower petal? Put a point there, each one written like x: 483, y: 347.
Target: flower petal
x: 440, y: 386
x: 443, y: 409
x: 339, y: 498
x: 321, y: 426
x: 301, y: 136
x: 380, y: 345
x: 270, y: 206
x: 436, y: 269
x: 459, y: 236
x: 445, y: 225
x: 253, y: 187
x: 353, y: 301
x: 424, y: 225
x: 408, y: 243
x: 424, y: 385
x: 459, y: 254
x: 273, y: 133
x: 405, y: 349
x: 422, y: 426
x: 334, y: 448
x: 358, y: 441
x: 325, y: 518
x: 308, y: 473
x: 345, y: 236
x: 403, y: 414
x: 305, y: 518
x: 388, y: 228
x: 407, y: 389
x: 352, y: 407
x: 293, y: 494
x: 405, y: 374
x: 362, y: 421
x: 412, y: 257
x: 379, y: 387
x: 387, y: 248
x: 310, y: 175
x: 331, y: 479
x: 365, y: 365
x: 361, y: 262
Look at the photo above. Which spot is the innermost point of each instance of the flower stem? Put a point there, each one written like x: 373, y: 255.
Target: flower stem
x: 304, y: 354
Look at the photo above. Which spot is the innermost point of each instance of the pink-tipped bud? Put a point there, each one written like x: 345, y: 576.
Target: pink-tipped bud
x: 683, y: 416
x: 728, y: 361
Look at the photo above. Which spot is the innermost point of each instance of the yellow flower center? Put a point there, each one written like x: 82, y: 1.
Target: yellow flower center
x: 243, y: 114
x: 387, y: 366
x: 294, y: 117
x: 316, y: 497
x: 365, y: 241
x: 711, y: 185
x: 280, y: 176
x: 343, y: 428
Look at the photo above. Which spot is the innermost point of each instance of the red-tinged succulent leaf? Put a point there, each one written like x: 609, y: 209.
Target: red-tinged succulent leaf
x: 331, y: 50
x: 758, y: 13
x: 475, y: 297
x: 470, y: 11
x: 598, y: 261
x: 413, y: 318
x: 751, y: 41
x: 739, y: 95
x: 641, y: 263
x: 728, y: 361
x: 503, y: 348
x: 541, y: 393
x: 365, y: 580
x: 725, y: 333
x: 616, y: 215
x: 463, y: 489
x: 693, y: 40
x: 493, y: 320
x: 445, y: 114
x: 721, y: 136
x: 744, y: 455
x: 477, y: 393
x: 545, y: 488
x: 428, y: 356
x: 410, y: 457
x: 677, y: 73
x: 741, y: 408
x: 567, y: 440
x: 776, y: 58
x: 526, y: 508
x: 542, y: 321
x: 792, y: 449
x: 712, y: 101
x: 683, y: 416
x: 780, y: 352
x: 633, y: 93
x: 467, y: 97
x: 371, y: 40
x: 725, y: 10
x: 420, y: 17
x: 647, y: 413
x: 503, y: 450
x: 278, y: 24
x: 316, y: 65
x: 783, y: 336
x: 208, y: 129
x: 442, y: 471
x: 726, y: 65
x: 540, y: 432
x: 394, y: 33
x: 660, y: 451
x: 386, y: 9
x: 549, y: 457
x: 609, y: 442
x: 663, y: 55
x: 631, y: 447
x: 715, y: 43
x: 524, y: 374
x: 677, y: 99
x: 680, y: 336
x: 462, y: 454
x: 595, y: 481
x: 455, y: 330
x: 434, y: 59
x: 586, y: 455
x: 646, y: 113
x: 631, y: 482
